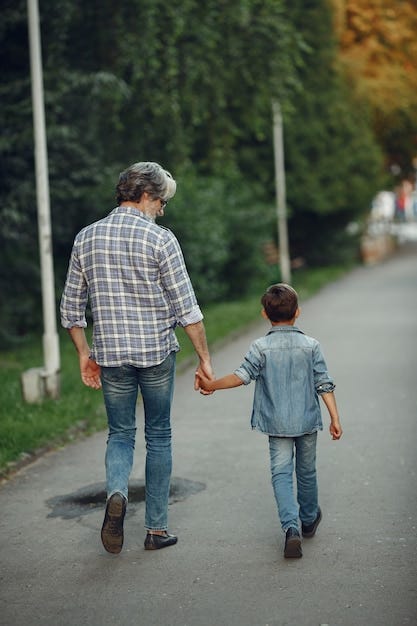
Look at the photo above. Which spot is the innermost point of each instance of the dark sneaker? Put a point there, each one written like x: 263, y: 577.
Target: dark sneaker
x: 112, y: 530
x: 292, y: 548
x: 309, y: 530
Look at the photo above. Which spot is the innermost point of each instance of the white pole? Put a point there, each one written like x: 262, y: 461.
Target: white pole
x: 281, y: 194
x: 50, y: 337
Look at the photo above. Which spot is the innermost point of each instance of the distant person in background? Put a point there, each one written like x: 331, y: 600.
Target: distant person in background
x: 404, y: 202
x: 290, y: 374
x: 400, y: 200
x: 133, y: 273
x: 414, y: 202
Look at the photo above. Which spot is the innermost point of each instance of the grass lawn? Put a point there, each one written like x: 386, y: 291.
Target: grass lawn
x: 27, y: 429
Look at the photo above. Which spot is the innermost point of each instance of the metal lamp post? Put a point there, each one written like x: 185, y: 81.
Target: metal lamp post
x: 40, y: 382
x: 284, y: 255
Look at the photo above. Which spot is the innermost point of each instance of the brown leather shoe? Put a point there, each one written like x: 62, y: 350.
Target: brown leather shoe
x: 292, y: 548
x: 112, y: 529
x: 156, y: 542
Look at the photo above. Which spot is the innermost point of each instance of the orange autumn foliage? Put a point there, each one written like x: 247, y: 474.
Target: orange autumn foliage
x: 378, y: 49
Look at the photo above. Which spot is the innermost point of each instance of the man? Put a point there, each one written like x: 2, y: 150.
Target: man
x: 133, y: 273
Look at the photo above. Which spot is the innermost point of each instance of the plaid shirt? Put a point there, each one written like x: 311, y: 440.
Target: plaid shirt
x: 134, y: 275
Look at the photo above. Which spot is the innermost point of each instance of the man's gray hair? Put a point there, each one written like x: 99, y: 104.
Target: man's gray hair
x: 145, y: 176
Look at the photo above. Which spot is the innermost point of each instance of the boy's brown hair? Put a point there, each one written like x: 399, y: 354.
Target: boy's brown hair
x: 280, y: 302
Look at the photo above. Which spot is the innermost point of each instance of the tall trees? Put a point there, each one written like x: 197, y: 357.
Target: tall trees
x: 189, y: 84
x: 181, y: 82
x: 333, y: 161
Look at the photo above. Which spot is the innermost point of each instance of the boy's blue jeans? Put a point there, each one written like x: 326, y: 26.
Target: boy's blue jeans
x: 120, y: 390
x: 282, y: 451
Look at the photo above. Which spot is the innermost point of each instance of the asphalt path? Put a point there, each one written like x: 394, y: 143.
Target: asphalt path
x: 228, y: 567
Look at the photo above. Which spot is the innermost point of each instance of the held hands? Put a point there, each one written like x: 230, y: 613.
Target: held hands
x: 203, y: 375
x: 90, y: 372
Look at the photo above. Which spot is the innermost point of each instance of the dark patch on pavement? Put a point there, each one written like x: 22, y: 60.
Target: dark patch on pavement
x: 93, y: 496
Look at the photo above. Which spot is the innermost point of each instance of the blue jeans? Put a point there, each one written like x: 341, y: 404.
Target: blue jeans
x: 120, y: 390
x: 281, y: 451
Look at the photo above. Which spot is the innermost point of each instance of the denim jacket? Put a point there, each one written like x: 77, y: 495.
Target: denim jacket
x: 290, y: 373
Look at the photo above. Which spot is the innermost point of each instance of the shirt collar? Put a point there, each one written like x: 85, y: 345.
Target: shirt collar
x: 130, y: 210
x: 284, y: 329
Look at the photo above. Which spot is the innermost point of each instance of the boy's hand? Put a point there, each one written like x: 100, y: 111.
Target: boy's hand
x: 335, y: 430
x: 330, y: 402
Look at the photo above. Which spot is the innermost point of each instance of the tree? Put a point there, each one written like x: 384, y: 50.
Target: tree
x: 378, y: 50
x: 123, y: 84
x: 333, y: 161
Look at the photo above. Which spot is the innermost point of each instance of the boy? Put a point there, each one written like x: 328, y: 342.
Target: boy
x: 290, y: 374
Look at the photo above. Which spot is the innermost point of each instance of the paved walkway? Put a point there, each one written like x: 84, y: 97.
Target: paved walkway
x: 227, y: 568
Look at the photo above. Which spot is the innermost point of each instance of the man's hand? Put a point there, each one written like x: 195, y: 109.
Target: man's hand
x: 90, y: 372
x: 197, y: 335
x: 204, y: 372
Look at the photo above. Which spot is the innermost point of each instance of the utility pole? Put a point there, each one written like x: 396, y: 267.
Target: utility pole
x: 40, y: 382
x: 284, y: 256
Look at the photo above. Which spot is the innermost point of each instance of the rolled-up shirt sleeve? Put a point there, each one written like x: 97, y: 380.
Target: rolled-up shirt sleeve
x: 325, y: 388
x: 252, y: 365
x: 75, y: 295
x: 193, y: 317
x: 177, y: 284
x: 322, y: 380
